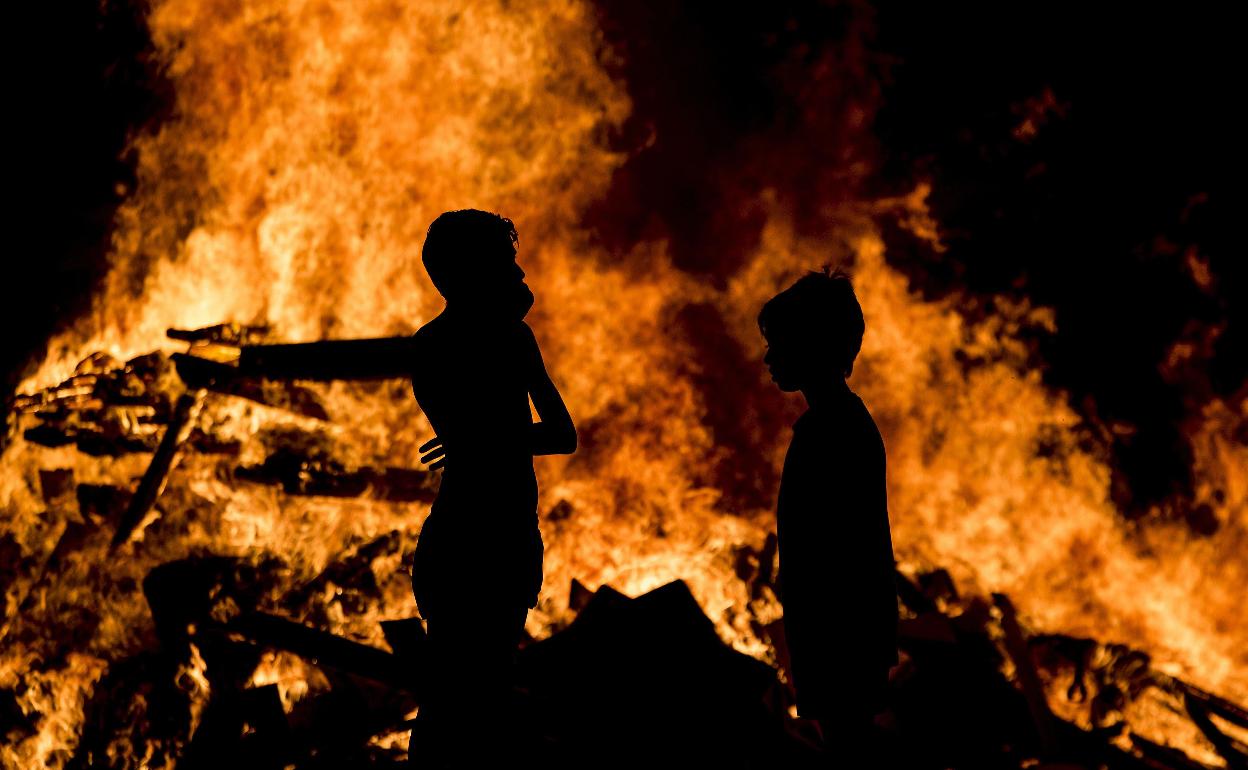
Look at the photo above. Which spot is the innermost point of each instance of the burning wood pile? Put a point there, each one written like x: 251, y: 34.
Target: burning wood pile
x: 244, y: 665
x: 109, y: 408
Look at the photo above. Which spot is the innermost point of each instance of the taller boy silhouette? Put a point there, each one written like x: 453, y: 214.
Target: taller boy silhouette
x: 836, y: 554
x: 478, y: 563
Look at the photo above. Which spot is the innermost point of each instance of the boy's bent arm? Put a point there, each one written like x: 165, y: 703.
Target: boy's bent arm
x: 555, y: 434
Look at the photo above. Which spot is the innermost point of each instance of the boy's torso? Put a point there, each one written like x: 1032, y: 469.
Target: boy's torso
x: 471, y: 382
x: 835, y: 546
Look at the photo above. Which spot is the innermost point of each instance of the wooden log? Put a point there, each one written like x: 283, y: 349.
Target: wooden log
x: 360, y: 359
x: 221, y: 334
x: 199, y: 372
x: 185, y: 413
x: 229, y: 380
x: 406, y: 637
x: 578, y: 595
x: 1158, y: 757
x: 324, y: 477
x: 326, y: 649
x: 1033, y: 691
x: 1234, y: 752
x: 246, y: 727
x: 1231, y: 712
x: 911, y: 595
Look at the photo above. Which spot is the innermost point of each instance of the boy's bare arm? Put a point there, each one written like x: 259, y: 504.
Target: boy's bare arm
x: 555, y: 434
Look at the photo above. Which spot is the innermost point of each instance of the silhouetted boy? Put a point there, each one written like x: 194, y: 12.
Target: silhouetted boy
x: 836, y: 555
x: 478, y: 563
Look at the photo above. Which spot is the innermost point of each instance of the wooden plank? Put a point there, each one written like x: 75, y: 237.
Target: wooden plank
x: 1033, y: 691
x: 360, y: 359
x: 326, y: 649
x: 185, y: 413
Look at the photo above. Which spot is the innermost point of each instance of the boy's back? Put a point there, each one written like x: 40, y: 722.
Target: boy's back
x: 836, y: 558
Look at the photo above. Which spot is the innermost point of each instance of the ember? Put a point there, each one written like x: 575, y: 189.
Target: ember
x: 207, y: 518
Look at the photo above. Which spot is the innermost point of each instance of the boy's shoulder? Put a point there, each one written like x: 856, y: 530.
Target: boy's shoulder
x: 846, y: 420
x: 442, y: 332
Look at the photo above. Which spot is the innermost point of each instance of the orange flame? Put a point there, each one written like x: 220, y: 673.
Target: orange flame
x: 311, y: 145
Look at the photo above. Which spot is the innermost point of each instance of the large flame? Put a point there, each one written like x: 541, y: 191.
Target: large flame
x: 310, y: 145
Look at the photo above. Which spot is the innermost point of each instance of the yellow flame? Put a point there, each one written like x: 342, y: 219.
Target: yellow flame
x: 311, y: 144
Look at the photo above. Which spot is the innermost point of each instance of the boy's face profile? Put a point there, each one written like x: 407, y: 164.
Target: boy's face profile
x: 785, y: 359
x: 499, y: 290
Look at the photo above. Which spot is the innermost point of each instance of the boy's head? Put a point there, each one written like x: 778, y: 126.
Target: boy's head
x: 470, y: 256
x: 813, y: 330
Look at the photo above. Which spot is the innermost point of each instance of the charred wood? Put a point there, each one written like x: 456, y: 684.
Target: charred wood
x: 406, y: 637
x: 102, y: 502
x: 650, y: 677
x: 222, y: 334
x: 578, y: 595
x: 56, y: 483
x: 1234, y: 752
x: 230, y: 381
x: 1109, y: 676
x: 1025, y: 672
x: 198, y: 591
x: 279, y: 395
x: 245, y: 726
x: 1158, y: 757
x: 206, y: 443
x: 185, y: 412
x: 351, y: 579
x: 912, y: 597
x: 106, y: 408
x: 325, y: 649
x: 301, y: 474
x: 98, y: 440
x: 1231, y: 712
x: 361, y: 359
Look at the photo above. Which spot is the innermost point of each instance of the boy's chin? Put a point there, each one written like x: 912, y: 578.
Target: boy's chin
x: 526, y: 301
x: 521, y: 306
x: 785, y: 384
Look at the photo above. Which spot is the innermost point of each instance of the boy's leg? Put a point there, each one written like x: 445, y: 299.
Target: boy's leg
x: 465, y: 711
x: 850, y: 741
x: 850, y: 736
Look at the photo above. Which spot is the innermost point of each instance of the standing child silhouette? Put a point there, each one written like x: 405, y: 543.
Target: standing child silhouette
x: 478, y: 563
x: 836, y: 552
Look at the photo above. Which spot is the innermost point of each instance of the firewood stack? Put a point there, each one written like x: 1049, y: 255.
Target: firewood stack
x: 150, y: 404
x: 628, y: 681
x: 245, y: 672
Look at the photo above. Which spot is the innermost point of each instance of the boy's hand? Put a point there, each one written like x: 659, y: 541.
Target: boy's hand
x: 433, y: 453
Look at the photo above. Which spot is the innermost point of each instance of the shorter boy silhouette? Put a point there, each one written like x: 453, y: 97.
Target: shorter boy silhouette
x: 836, y: 554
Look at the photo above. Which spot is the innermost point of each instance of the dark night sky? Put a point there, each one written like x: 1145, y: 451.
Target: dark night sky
x: 1093, y: 217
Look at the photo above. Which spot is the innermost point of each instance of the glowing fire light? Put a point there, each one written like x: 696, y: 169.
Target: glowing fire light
x: 310, y: 146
